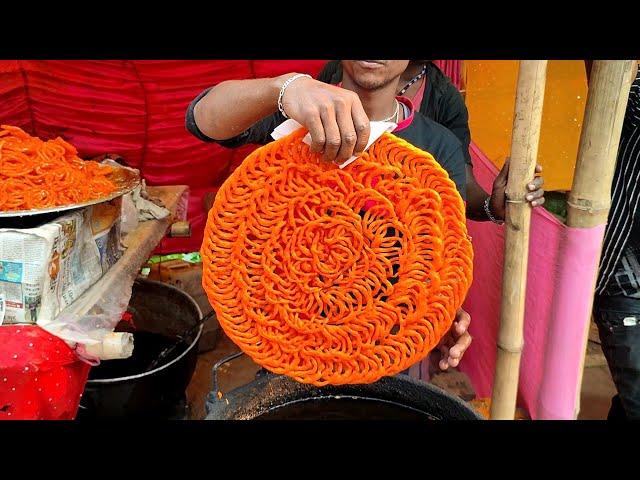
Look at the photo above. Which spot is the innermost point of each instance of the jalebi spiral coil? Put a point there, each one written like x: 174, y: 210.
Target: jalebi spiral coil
x: 337, y: 276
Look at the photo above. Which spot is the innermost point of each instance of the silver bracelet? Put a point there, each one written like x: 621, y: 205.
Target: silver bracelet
x: 489, y: 214
x: 284, y: 87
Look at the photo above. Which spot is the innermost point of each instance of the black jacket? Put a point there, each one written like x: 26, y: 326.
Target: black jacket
x: 442, y: 102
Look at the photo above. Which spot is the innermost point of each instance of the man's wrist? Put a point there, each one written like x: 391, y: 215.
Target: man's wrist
x: 283, y: 88
x: 275, y: 87
x: 489, y: 213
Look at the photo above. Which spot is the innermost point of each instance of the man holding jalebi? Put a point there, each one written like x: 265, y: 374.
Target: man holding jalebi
x: 436, y: 97
x: 239, y: 112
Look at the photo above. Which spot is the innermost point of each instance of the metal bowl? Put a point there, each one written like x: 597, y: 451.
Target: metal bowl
x: 126, y: 180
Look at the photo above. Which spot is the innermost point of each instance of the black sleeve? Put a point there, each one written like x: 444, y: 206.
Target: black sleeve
x: 444, y: 104
x: 259, y: 133
x: 456, y: 118
x: 331, y: 72
x: 454, y: 164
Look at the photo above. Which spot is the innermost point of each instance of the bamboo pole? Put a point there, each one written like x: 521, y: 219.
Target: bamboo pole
x: 590, y: 197
x: 524, y: 152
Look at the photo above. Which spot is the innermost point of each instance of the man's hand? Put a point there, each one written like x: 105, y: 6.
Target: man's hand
x: 498, y: 202
x: 455, y: 343
x: 338, y: 124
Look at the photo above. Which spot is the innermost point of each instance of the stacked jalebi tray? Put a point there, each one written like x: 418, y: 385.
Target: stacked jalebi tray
x: 337, y: 276
x: 37, y: 174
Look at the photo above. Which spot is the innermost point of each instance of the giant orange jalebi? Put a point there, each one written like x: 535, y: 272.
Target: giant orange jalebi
x: 337, y: 276
x: 37, y: 174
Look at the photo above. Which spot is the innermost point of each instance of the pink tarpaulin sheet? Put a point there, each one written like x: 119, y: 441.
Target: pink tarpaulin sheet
x: 561, y: 272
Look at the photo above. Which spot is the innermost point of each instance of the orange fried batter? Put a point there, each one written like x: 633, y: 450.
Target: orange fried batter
x: 36, y: 174
x: 337, y: 276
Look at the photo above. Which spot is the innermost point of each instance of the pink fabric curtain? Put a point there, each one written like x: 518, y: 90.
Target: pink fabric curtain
x: 561, y: 271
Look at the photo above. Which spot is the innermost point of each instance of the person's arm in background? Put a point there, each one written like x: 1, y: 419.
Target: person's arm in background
x: 455, y: 117
x: 335, y: 118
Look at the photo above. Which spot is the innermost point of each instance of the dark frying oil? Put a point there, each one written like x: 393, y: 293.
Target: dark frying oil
x: 344, y: 408
x: 147, y: 347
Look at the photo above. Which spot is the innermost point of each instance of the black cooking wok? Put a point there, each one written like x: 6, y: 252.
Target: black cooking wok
x: 152, y: 382
x: 276, y: 397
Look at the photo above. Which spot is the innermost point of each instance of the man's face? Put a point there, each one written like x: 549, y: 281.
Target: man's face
x: 374, y: 74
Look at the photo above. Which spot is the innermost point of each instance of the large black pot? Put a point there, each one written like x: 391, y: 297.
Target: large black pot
x: 276, y: 397
x: 160, y: 311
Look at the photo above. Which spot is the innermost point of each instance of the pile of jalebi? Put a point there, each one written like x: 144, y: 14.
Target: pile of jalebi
x: 37, y: 174
x: 337, y: 276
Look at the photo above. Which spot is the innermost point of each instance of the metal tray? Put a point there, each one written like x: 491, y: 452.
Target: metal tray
x: 126, y: 180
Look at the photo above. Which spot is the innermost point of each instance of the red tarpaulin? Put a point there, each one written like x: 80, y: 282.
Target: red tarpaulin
x: 134, y: 108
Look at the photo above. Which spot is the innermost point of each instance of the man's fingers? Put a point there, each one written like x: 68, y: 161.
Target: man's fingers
x: 538, y: 202
x: 444, y: 351
x: 362, y: 126
x: 461, y: 328
x: 536, y: 184
x: 463, y: 319
x: 348, y: 135
x: 457, y: 351
x: 535, y: 195
x: 314, y: 125
x: 331, y: 132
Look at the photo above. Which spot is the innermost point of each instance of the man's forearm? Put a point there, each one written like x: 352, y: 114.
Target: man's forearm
x: 231, y: 107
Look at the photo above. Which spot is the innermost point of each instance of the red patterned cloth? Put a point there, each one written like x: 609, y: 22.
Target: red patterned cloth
x: 40, y: 376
